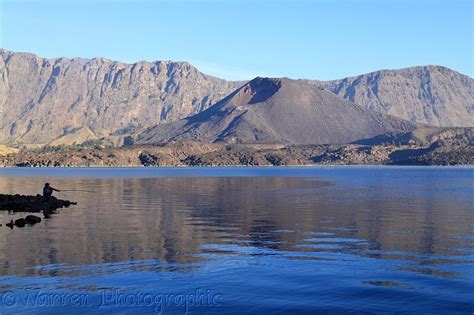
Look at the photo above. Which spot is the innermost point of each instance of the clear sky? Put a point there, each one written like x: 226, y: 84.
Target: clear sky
x: 240, y: 39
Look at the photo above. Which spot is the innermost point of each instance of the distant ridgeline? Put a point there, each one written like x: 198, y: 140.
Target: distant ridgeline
x: 99, y: 102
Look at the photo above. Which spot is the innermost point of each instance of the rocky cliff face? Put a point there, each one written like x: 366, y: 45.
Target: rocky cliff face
x: 46, y: 100
x: 429, y: 94
x: 43, y: 99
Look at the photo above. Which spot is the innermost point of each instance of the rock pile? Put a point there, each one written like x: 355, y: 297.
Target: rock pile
x: 24, y: 203
x: 21, y: 222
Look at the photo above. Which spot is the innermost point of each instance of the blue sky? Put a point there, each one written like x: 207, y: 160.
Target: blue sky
x: 240, y: 39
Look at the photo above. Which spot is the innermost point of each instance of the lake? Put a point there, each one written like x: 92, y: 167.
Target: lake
x: 243, y: 240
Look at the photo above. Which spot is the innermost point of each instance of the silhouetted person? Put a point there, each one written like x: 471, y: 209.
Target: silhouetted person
x: 48, y: 191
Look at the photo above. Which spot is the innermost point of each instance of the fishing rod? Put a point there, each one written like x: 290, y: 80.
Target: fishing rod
x: 79, y: 190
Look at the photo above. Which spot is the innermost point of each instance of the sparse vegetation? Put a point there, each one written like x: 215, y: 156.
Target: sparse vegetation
x: 89, y: 144
x: 453, y: 150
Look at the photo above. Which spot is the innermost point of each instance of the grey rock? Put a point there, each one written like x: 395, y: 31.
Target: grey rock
x: 65, y: 101
x: 433, y: 95
x: 278, y: 111
x: 44, y: 99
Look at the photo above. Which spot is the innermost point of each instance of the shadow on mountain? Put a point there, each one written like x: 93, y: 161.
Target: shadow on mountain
x: 409, y: 156
x: 395, y: 138
x: 262, y: 89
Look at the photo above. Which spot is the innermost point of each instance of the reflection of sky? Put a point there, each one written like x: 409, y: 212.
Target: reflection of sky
x: 267, y: 239
x: 368, y: 211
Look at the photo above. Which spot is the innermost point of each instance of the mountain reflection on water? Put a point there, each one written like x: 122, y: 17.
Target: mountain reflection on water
x: 364, y: 227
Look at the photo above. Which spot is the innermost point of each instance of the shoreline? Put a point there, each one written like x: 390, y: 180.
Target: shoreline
x: 240, y: 166
x: 194, y: 154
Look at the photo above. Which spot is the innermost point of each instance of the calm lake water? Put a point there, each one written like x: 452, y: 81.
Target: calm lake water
x: 243, y: 240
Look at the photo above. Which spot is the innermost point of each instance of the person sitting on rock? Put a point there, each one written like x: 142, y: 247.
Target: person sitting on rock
x: 48, y: 191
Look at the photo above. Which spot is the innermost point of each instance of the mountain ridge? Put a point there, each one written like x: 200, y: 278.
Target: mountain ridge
x: 42, y: 100
x: 430, y: 94
x: 278, y: 110
x: 48, y: 97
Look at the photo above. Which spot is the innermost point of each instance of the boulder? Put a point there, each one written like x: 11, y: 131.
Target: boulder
x: 20, y: 222
x: 32, y: 219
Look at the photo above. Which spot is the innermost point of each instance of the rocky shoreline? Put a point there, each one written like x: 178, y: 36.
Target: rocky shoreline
x: 26, y: 203
x: 388, y: 152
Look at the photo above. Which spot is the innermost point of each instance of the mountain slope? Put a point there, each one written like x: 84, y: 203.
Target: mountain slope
x: 428, y: 94
x: 44, y: 99
x: 278, y: 111
x: 75, y: 137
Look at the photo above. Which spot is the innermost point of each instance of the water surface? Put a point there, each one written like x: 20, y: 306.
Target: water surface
x: 247, y: 240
